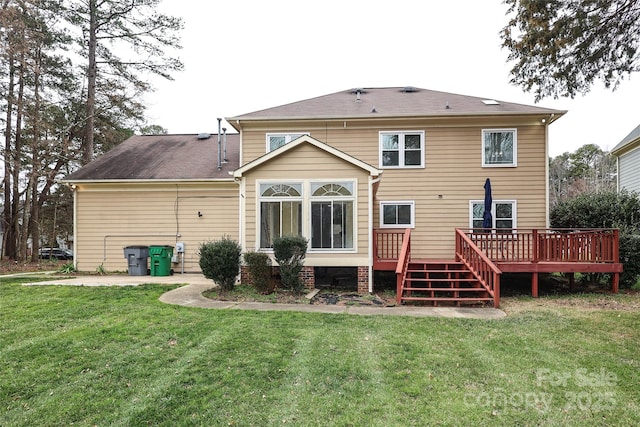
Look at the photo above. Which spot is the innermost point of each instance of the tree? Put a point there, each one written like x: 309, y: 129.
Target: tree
x: 560, y: 47
x: 114, y: 28
x: 35, y: 74
x: 43, y: 101
x: 585, y: 170
x: 153, y: 130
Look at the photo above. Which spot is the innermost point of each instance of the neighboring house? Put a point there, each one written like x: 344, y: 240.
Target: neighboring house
x: 628, y: 154
x: 351, y: 171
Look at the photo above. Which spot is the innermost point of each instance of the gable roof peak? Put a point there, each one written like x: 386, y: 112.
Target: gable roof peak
x: 391, y: 102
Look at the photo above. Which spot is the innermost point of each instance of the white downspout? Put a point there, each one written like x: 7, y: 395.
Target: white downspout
x: 75, y: 226
x: 241, y: 213
x: 546, y: 170
x: 372, y: 182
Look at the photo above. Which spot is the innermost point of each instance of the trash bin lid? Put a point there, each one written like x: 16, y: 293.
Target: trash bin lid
x: 136, y: 247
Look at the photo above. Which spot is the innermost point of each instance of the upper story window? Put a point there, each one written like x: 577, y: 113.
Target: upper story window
x: 277, y: 140
x: 402, y: 149
x: 397, y: 214
x: 499, y: 147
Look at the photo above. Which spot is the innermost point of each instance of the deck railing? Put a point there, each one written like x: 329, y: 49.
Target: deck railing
x: 547, y: 245
x: 487, y: 273
x: 403, y: 264
x: 387, y: 244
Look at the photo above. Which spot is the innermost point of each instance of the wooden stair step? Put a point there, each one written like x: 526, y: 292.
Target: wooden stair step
x: 446, y: 289
x: 434, y: 268
x: 440, y: 279
x: 437, y: 299
x: 438, y: 274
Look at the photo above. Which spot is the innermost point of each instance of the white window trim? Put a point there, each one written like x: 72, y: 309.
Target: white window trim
x: 515, y: 148
x: 401, y: 152
x: 397, y: 202
x: 260, y: 199
x: 287, y: 136
x: 514, y: 210
x: 306, y: 210
x: 354, y: 197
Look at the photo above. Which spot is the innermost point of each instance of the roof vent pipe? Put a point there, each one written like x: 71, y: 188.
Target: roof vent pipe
x: 219, y: 148
x: 224, y: 144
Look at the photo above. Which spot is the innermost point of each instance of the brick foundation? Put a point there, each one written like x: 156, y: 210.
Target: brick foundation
x: 245, y: 278
x: 308, y: 277
x: 363, y: 280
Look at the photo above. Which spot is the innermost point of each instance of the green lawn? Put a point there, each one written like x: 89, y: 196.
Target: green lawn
x: 118, y: 356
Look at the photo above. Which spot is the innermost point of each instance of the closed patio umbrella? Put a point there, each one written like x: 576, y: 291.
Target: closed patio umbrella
x: 487, y: 220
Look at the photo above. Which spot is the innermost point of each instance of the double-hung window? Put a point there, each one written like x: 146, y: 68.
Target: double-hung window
x: 397, y: 214
x: 277, y: 140
x: 280, y: 212
x: 503, y: 215
x: 332, y: 215
x: 499, y: 147
x: 402, y: 149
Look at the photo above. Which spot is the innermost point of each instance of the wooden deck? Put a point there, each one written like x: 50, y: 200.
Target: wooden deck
x: 488, y: 253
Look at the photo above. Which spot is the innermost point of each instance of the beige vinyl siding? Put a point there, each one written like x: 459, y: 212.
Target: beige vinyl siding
x: 305, y: 164
x: 112, y: 216
x: 453, y: 173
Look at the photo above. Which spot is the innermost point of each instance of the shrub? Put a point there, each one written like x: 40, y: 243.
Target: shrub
x: 603, y: 209
x: 630, y: 257
x: 289, y: 252
x: 259, y: 267
x: 607, y: 210
x: 220, y: 261
x: 67, y: 268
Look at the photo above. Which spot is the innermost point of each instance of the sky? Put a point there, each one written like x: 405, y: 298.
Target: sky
x: 242, y: 56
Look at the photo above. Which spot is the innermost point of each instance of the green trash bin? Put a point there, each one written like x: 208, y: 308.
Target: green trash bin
x: 160, y: 260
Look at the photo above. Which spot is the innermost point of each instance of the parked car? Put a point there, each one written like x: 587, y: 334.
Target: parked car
x: 56, y: 253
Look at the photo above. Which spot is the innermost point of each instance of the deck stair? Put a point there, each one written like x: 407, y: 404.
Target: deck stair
x: 442, y: 282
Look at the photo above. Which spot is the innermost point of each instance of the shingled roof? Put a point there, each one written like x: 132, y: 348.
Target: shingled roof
x: 392, y: 102
x: 633, y: 136
x: 171, y: 157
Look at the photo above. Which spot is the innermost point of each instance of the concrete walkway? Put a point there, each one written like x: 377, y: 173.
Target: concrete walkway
x: 191, y: 296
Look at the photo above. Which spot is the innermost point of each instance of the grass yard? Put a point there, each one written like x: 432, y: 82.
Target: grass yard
x: 118, y: 356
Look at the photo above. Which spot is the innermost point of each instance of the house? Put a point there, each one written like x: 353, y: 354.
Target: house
x: 376, y: 178
x: 628, y: 154
x: 155, y: 190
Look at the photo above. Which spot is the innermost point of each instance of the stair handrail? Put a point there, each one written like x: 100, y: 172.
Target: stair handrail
x: 482, y: 268
x: 403, y: 264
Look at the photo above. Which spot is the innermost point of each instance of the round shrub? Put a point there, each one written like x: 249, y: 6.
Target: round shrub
x: 220, y: 261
